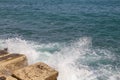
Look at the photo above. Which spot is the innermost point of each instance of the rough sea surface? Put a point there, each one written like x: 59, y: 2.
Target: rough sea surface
x: 79, y: 38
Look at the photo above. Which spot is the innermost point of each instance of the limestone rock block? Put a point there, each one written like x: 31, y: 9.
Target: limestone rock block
x: 38, y: 71
x: 12, y: 62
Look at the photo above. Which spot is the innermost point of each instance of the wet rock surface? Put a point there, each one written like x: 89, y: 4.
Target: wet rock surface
x: 3, y: 52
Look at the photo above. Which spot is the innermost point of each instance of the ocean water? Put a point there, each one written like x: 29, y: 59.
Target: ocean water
x: 79, y: 38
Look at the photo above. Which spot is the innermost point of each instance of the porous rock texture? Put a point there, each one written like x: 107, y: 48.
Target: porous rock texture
x: 11, y: 62
x: 38, y: 71
x: 15, y: 67
x: 4, y: 77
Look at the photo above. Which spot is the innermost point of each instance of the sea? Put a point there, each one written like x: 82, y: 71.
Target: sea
x: 78, y: 38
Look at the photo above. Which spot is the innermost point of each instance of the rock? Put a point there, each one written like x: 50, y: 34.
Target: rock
x: 38, y: 71
x: 12, y: 62
x: 4, y: 77
x: 13, y: 67
x: 10, y: 78
x: 3, y: 52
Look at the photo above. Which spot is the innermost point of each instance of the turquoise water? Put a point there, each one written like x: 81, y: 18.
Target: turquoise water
x: 76, y: 37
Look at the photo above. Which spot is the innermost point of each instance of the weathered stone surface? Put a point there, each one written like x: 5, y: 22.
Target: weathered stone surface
x: 13, y: 67
x: 38, y: 71
x: 10, y: 78
x: 7, y: 78
x: 4, y: 77
x: 12, y: 62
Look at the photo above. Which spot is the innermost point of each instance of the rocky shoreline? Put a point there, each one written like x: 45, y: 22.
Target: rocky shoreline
x: 15, y: 67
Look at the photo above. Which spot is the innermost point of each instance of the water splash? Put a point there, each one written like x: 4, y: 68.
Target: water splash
x: 76, y: 61
x: 65, y: 61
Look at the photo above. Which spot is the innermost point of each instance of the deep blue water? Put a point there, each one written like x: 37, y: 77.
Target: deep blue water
x: 66, y: 22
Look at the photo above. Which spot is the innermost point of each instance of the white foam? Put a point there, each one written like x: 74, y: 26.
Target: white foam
x: 70, y: 60
x: 16, y: 45
x: 65, y: 61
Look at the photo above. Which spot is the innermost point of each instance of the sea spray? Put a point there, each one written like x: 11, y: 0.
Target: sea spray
x: 77, y: 60
x: 16, y: 45
x: 65, y: 61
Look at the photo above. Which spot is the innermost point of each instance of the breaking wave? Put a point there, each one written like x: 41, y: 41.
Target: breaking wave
x: 77, y: 60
